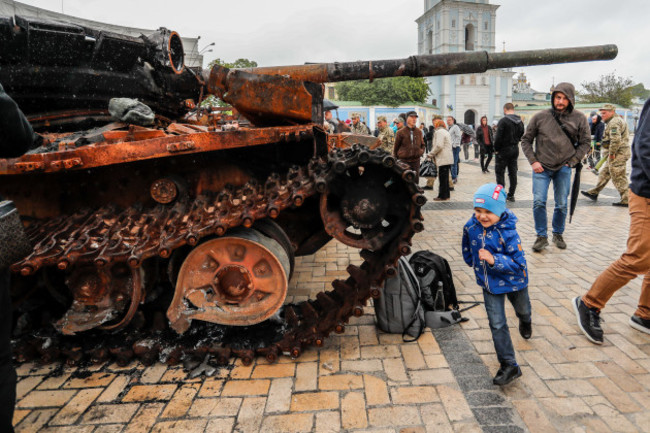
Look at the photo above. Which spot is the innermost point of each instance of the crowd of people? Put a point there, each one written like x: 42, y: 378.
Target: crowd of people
x: 556, y: 142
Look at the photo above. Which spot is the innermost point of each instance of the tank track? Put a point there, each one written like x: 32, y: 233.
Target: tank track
x: 102, y: 237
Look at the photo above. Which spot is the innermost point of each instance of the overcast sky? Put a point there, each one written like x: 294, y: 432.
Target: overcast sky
x: 297, y: 31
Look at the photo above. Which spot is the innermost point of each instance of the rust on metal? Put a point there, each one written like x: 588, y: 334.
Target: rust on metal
x: 229, y: 280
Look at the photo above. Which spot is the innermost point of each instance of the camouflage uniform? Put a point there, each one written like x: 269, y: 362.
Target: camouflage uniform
x: 617, y: 143
x: 387, y: 137
x: 359, y: 128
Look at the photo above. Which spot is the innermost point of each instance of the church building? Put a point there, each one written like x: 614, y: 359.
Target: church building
x: 453, y: 26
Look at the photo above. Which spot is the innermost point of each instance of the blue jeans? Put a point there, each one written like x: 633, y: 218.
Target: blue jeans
x: 561, y: 187
x: 496, y: 312
x: 454, y: 166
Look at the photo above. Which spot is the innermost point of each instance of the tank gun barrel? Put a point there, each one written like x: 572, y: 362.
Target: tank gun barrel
x: 437, y: 64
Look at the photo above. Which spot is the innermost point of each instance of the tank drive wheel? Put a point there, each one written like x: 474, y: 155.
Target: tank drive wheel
x: 106, y: 298
x: 239, y: 280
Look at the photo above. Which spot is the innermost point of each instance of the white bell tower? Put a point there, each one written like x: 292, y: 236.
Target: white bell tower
x: 454, y: 26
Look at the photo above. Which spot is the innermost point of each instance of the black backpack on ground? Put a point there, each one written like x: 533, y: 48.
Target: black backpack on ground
x: 399, y: 309
x: 438, y: 292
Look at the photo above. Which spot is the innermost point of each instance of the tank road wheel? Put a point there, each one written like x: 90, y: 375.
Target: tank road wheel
x: 366, y: 206
x: 105, y: 298
x: 240, y: 280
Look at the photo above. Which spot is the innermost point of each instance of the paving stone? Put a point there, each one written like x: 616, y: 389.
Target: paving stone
x: 484, y: 398
x: 35, y: 420
x: 365, y: 366
x: 153, y: 374
x: 310, y: 401
x: 353, y: 411
x: 19, y: 415
x: 395, y: 370
x: 572, y: 406
x: 46, y: 398
x: 75, y: 407
x: 186, y: 426
x: 274, y: 370
x: 149, y: 393
x: 435, y: 419
x: 250, y: 415
x: 220, y: 425
x: 307, y: 376
x: 211, y: 387
x: 376, y: 390
x: 623, y: 380
x: 70, y: 429
x: 394, y: 416
x: 145, y: 418
x: 380, y: 351
x: 454, y: 403
x: 615, y: 395
x: 97, y: 379
x: 181, y: 401
x: 279, y: 395
x: 202, y: 407
x: 572, y: 387
x: 432, y: 377
x: 328, y: 422
x: 414, y: 395
x: 340, y: 382
x: 534, y: 417
x: 110, y: 413
x: 246, y: 387
x: 298, y: 422
x: 26, y: 384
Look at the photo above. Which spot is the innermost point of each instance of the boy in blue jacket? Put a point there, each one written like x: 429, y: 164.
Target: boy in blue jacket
x: 491, y: 246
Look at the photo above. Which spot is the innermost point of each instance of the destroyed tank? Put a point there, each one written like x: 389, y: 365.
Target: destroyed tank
x: 178, y: 240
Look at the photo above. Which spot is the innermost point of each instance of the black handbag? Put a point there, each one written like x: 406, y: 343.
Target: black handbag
x: 14, y: 244
x: 428, y: 169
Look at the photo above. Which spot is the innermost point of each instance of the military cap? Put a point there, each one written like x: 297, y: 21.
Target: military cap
x: 608, y: 107
x: 355, y: 116
x: 381, y: 119
x: 411, y: 113
x: 398, y: 119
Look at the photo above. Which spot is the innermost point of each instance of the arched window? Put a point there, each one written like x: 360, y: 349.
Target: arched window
x: 470, y: 35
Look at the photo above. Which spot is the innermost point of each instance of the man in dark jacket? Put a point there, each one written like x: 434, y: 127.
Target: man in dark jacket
x: 506, y: 148
x: 409, y: 144
x: 562, y: 138
x: 16, y: 138
x: 636, y: 259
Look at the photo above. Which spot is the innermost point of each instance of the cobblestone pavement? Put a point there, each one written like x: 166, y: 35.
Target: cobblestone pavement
x: 365, y: 380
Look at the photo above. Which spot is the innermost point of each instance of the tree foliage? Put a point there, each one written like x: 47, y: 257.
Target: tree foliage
x: 239, y: 63
x: 385, y: 91
x: 639, y: 91
x: 609, y: 88
x: 213, y: 101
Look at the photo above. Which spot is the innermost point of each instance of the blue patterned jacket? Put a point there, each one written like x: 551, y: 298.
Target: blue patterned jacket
x: 509, y: 272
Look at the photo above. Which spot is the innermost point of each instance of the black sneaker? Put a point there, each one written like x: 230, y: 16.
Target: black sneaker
x: 640, y: 324
x: 558, y: 240
x: 510, y: 198
x: 525, y: 329
x: 589, y: 195
x: 588, y: 321
x: 540, y: 243
x: 620, y: 203
x: 506, y: 374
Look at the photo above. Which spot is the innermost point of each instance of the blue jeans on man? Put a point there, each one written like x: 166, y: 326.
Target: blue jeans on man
x: 495, y: 307
x: 454, y: 166
x: 561, y: 187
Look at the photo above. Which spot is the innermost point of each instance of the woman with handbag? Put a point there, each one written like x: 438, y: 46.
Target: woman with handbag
x: 443, y: 155
x: 485, y: 138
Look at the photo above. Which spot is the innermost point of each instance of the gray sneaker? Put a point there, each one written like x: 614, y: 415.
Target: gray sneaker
x: 559, y: 241
x: 540, y: 243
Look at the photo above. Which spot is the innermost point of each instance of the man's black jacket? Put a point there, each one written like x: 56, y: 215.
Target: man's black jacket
x: 509, y: 131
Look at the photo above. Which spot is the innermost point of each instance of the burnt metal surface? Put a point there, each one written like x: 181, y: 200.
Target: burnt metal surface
x: 428, y: 65
x: 50, y: 65
x: 296, y: 326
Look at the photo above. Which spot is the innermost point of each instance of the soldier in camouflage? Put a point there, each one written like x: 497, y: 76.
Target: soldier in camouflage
x: 386, y: 135
x: 616, y: 141
x: 357, y: 126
